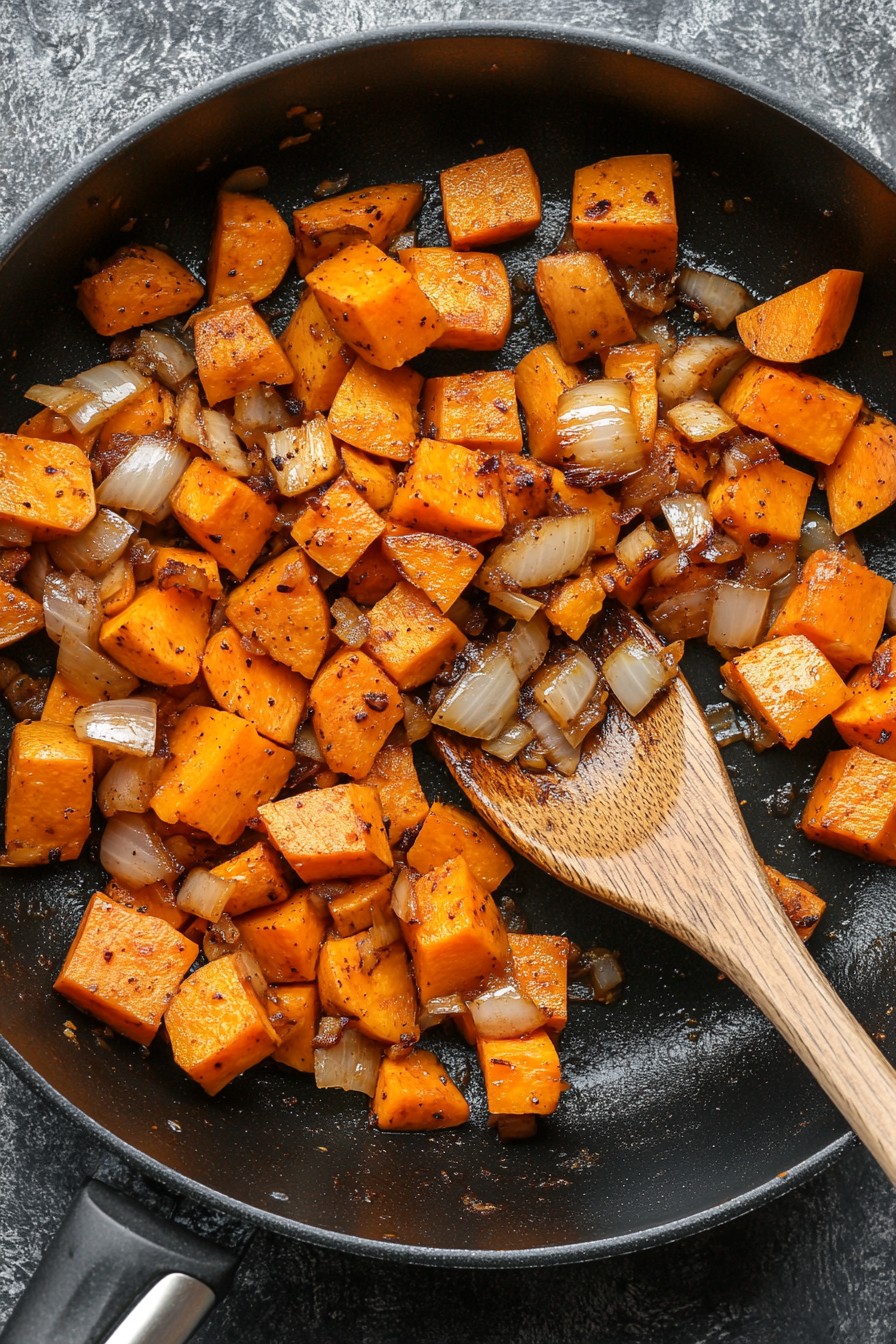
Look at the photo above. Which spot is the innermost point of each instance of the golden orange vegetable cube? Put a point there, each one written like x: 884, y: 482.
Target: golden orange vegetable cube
x: 477, y: 410
x: 263, y: 692
x: 574, y: 603
x: 285, y: 939
x: 451, y: 490
x: 319, y: 358
x: 251, y: 249
x: 49, y: 794
x: 469, y: 290
x: 151, y: 411
x: 56, y: 429
x: 526, y: 487
x: 637, y: 365
x: 373, y: 479
x: 378, y: 214
x: 599, y: 504
x: 458, y: 940
x: 394, y: 776
x: 410, y: 638
x: 581, y: 304
x: 235, y: 350
x: 217, y: 1025
x: 259, y: 879
x: 168, y: 570
x: 540, y: 962
x: 335, y: 833
x: 159, y: 636
x: 541, y: 376
x: 624, y: 208
x: 416, y: 1093
x: 294, y: 1010
x: 868, y: 718
x: 765, y: 504
x: 804, y: 322
x: 337, y: 528
x: 45, y: 486
x: 20, y: 615
x: 377, y: 410
x: 801, y: 902
x: 283, y: 608
x: 522, y: 1076
x: 491, y: 200
x: 352, y: 910
x: 439, y: 567
x: 787, y: 685
x: 223, y: 515
x: 449, y: 831
x: 62, y: 701
x: 374, y: 575
x: 354, y: 708
x: 137, y: 286
x: 840, y: 605
x: 861, y: 483
x: 156, y: 899
x: 800, y: 412
x: 371, y: 985
x: 852, y: 805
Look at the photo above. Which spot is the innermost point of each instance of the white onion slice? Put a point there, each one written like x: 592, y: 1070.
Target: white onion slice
x: 528, y: 644
x: 133, y: 854
x: 565, y: 688
x: 205, y: 894
x: 217, y: 439
x: 404, y: 898
x: 683, y: 615
x: 161, y: 356
x: 547, y: 550
x: 519, y: 605
x: 696, y: 363
x: 723, y: 299
x: 352, y: 1063
x: 511, y: 740
x: 302, y: 456
x: 188, y: 415
x: 386, y: 928
x: 816, y: 534
x: 13, y: 534
x: 259, y: 407
x: 767, y: 565
x: 504, y: 1013
x: 92, y: 674
x: 483, y: 700
x: 738, y: 616
x: 700, y: 420
x: 635, y: 674
x: 72, y: 606
x: 96, y: 548
x: 129, y: 784
x: 128, y: 726
x: 596, y: 428
x: 34, y: 576
x: 658, y: 332
x: 416, y: 719
x: 62, y: 400
x: 435, y: 1011
x: 145, y: 478
x: 306, y: 744
x: 350, y: 623
x: 557, y: 750
x: 248, y: 968
x: 690, y: 521
x: 639, y: 548
x: 109, y: 387
x: 246, y: 179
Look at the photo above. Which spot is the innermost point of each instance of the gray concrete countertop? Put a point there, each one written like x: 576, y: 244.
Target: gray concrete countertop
x: 815, y: 1266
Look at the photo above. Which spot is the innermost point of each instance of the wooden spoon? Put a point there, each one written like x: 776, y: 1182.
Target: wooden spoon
x: 649, y: 823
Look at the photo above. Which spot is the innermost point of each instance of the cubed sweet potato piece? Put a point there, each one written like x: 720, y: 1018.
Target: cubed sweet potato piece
x: 765, y: 504
x: 599, y: 504
x: 490, y: 200
x: 451, y: 490
x: 861, y: 483
x: 539, y: 963
x: 156, y: 899
x: 337, y: 528
x: 526, y: 487
x: 263, y: 692
x: 283, y: 608
x: 335, y: 833
x: 235, y: 350
x: 56, y: 429
x: 621, y: 583
x: 581, y: 304
x: 804, y: 322
x: 374, y: 575
x: 441, y: 568
x: 45, y: 486
x: 352, y: 910
x: 637, y: 365
x: 449, y: 831
x: 802, y: 904
x: 691, y: 462
x: 124, y: 967
x: 868, y: 718
x: 541, y: 376
x: 375, y: 306
x: 800, y: 412
x: 477, y: 410
x: 458, y: 939
x: 377, y: 214
x: 410, y: 638
x: 522, y: 1076
x: 375, y: 480
x: 285, y: 939
x: 787, y: 685
x: 259, y: 879
x: 624, y: 208
x: 151, y: 411
x: 49, y: 794
x: 840, y: 605
x: 219, y: 771
x: 416, y: 1093
x: 377, y: 410
x: 168, y: 570
x: 354, y: 708
x: 294, y: 1010
x: 319, y: 358
x: 574, y: 603
x: 470, y: 292
x: 218, y: 1026
x: 852, y: 805
x: 222, y: 514
x: 394, y: 776
x: 251, y: 249
x: 160, y: 636
x: 62, y: 701
x: 371, y: 985
x: 20, y: 615
x: 137, y: 286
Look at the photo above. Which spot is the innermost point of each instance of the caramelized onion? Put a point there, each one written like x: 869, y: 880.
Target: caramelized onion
x: 505, y: 1013
x: 205, y: 894
x: 145, y: 478
x: 126, y: 726
x: 596, y: 428
x: 695, y: 364
x: 352, y: 1063
x: 636, y: 674
x: 483, y: 700
x: 738, y: 616
x: 133, y: 854
x: 95, y: 548
x: 723, y: 299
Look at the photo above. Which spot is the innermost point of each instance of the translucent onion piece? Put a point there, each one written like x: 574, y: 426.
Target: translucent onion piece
x: 145, y: 478
x: 352, y: 1063
x: 404, y: 898
x: 221, y: 939
x: 188, y: 415
x: 596, y: 428
x: 745, y: 453
x: 205, y: 894
x: 260, y: 407
x: 109, y: 387
x: 721, y: 549
x: 554, y: 745
x: 723, y: 299
x: 386, y: 928
x: 217, y: 439
x: 684, y: 615
x: 726, y: 375
x: 129, y: 784
x: 133, y: 854
x: 162, y: 357
x: 92, y: 674
x: 606, y: 974
x: 13, y: 534
x: 505, y: 1013
x: 416, y: 719
x: 565, y: 688
x: 724, y: 724
x: 547, y: 550
x: 767, y: 565
x: 72, y: 605
x: 34, y: 575
x: 699, y: 420
x: 817, y: 534
x: 96, y: 548
x: 696, y: 363
x: 738, y: 616
x: 779, y: 593
x: 669, y: 568
x: 519, y: 605
x: 639, y: 548
x: 510, y: 741
x: 302, y: 456
x: 127, y: 726
x: 248, y: 968
x: 436, y: 1010
x: 62, y: 400
x: 482, y: 701
x: 635, y: 674
x: 246, y: 179
x: 351, y: 625
x: 528, y: 645
x: 658, y: 332
x: 690, y: 521
x: 592, y: 714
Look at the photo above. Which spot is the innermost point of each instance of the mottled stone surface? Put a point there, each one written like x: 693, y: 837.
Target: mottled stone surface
x: 813, y: 1267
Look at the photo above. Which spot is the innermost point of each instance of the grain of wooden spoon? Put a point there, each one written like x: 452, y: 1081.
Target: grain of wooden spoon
x: 649, y: 824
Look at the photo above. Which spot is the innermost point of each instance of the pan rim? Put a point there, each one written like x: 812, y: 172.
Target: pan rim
x: 244, y: 75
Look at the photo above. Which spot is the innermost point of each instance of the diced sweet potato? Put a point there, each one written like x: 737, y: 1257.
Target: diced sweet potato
x: 45, y: 486
x: 787, y: 684
x: 156, y: 899
x: 477, y: 410
x: 441, y: 568
x: 354, y: 708
x: 796, y: 410
x: 526, y: 487
x: 151, y: 411
x: 218, y: 1026
x: 410, y: 638
x: 621, y: 583
x: 637, y: 365
x: 624, y: 208
x: 852, y: 805
x: 541, y: 376
x: 522, y: 1077
x: 377, y: 410
x: 235, y: 350
x: 263, y: 692
x: 49, y: 794
x: 840, y: 605
x: 294, y: 1010
x: 56, y: 429
x: 219, y: 771
x: 767, y: 501
x: 574, y: 603
x: 371, y: 985
x: 137, y: 286
x: 374, y: 480
x: 805, y: 322
x: 318, y: 357
x: 378, y: 214
x: 394, y: 776
x: 62, y: 701
x: 285, y: 939
x: 124, y: 967
x: 470, y: 292
x: 251, y: 249
x: 337, y: 528
x: 283, y: 608
x: 868, y: 718
x: 352, y: 910
x: 375, y: 306
x: 20, y: 615
x: 458, y: 939
x: 160, y: 636
x: 581, y: 304
x: 861, y: 483
x: 222, y: 514
x: 374, y: 575
x: 416, y: 1093
x: 599, y: 504
x: 451, y: 490
x: 168, y: 570
x: 802, y: 904
x: 449, y: 831
x: 336, y: 833
x: 691, y: 462
x: 259, y: 879
x: 539, y: 963
x: 491, y: 200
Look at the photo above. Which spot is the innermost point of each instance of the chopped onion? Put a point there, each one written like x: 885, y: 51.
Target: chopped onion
x: 217, y: 439
x: 684, y: 615
x: 72, y: 605
x: 669, y: 568
x: 891, y: 612
x: 639, y: 548
x: 246, y: 179
x: 690, y: 521
x: 302, y: 456
x: 117, y: 587
x: 133, y: 854
x: 723, y: 299
x: 654, y: 291
x: 547, y: 550
x: 205, y: 894
x: 727, y: 374
x: 145, y: 478
x: 62, y: 400
x: 386, y: 928
x: 260, y: 408
x: 817, y: 534
x: 306, y: 744
x: 92, y: 674
x: 745, y: 453
x: 658, y: 332
x: 635, y: 674
x: 161, y: 356
x: 527, y: 646
x: 221, y: 939
x: 188, y: 415
x: 248, y: 968
x: 778, y: 595
x: 404, y: 897
x: 504, y: 1013
x: 416, y: 719
x: 435, y: 1011
x: 519, y: 605
x: 510, y: 741
x: 109, y: 387
x: 483, y: 700
x: 699, y: 420
x: 127, y: 726
x: 565, y: 687
x: 738, y: 616
x: 596, y: 428
x: 95, y: 548
x: 351, y: 625
x: 766, y: 565
x: 721, y: 549
x: 696, y: 363
x: 724, y: 724
x: 554, y: 745
x: 129, y: 784
x: 352, y: 1063
x: 589, y: 717
x: 13, y: 534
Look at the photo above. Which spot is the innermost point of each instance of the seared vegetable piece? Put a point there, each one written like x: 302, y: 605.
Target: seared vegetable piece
x: 852, y: 805
x: 251, y: 249
x: 137, y: 286
x: 374, y: 575
x: 477, y: 410
x: 410, y: 638
x: 801, y: 412
x: 575, y: 602
x: 451, y: 490
x: 124, y: 967
x: 522, y: 1076
x: 219, y: 772
x: 285, y: 939
x: 378, y: 214
x: 491, y: 200
x: 690, y: 461
x: 352, y: 910
x: 541, y: 376
x: 259, y: 879
x: 597, y: 502
x: 861, y: 483
x: 624, y: 208
x: 61, y: 702
x: 805, y: 322
x: 766, y: 503
x: 787, y: 684
x: 638, y: 364
x: 457, y: 939
x: 525, y: 488
x: 56, y: 429
x: 160, y: 636
x: 151, y: 411
x: 581, y: 304
x: 539, y: 963
x: 354, y: 706
x: 172, y: 566
x: 49, y: 794
x: 449, y: 831
x: 840, y: 605
x: 235, y: 351
x: 802, y: 904
x: 334, y: 833
x: 156, y: 899
x: 375, y: 305
x: 375, y: 480
x: 222, y: 514
x: 20, y: 615
x: 283, y: 608
x: 621, y: 583
x: 337, y: 529
x: 319, y: 358
x: 469, y: 290
x: 376, y: 409
x: 294, y: 1010
x: 372, y: 985
x: 416, y: 1093
x: 263, y: 692
x: 218, y: 1026
x: 394, y: 777
x: 439, y: 567
x: 868, y: 718
x: 45, y: 486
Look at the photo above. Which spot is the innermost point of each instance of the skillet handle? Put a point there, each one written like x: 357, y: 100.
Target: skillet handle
x: 116, y: 1273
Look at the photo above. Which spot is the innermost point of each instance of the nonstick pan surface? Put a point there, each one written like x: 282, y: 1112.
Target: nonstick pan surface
x: 686, y: 1107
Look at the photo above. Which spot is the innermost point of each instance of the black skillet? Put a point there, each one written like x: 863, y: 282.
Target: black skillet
x: 686, y: 1108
